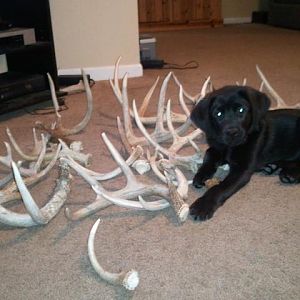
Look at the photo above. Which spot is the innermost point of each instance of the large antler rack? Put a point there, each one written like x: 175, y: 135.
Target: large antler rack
x: 159, y: 134
x: 133, y: 189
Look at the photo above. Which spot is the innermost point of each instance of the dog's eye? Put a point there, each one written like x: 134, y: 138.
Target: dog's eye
x: 219, y: 114
x: 241, y: 110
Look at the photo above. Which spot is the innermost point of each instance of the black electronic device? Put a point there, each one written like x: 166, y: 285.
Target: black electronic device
x: 34, y: 58
x: 152, y: 63
x: 17, y: 84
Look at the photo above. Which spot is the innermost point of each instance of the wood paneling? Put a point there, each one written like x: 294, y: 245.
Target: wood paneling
x: 154, y: 11
x: 172, y: 14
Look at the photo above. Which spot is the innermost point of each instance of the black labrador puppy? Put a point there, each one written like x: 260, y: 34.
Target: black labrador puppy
x: 242, y: 132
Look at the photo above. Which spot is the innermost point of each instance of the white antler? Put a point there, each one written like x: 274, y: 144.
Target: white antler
x: 190, y: 162
x: 129, y: 280
x: 37, y: 216
x: 280, y: 103
x: 10, y: 192
x: 132, y: 190
x: 57, y: 129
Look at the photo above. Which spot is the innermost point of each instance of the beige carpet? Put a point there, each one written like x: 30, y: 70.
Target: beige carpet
x: 248, y: 250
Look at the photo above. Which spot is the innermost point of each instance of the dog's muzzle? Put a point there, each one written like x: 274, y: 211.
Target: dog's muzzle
x: 233, y: 136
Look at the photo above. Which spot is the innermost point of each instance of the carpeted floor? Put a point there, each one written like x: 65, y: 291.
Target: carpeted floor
x: 248, y: 250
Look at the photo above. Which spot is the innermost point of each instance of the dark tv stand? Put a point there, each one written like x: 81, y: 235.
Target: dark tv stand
x: 27, y: 61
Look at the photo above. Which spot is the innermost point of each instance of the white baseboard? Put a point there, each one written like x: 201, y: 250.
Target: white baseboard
x: 237, y: 20
x: 3, y: 64
x: 107, y: 72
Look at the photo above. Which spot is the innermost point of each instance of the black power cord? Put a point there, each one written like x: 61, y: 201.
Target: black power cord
x: 161, y: 64
x: 192, y: 64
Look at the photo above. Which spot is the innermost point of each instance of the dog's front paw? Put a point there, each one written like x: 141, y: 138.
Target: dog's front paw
x: 285, y: 177
x: 202, y: 209
x: 198, y: 181
x: 270, y: 169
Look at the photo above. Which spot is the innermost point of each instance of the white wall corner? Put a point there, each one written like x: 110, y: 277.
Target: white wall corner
x: 107, y: 72
x: 241, y: 20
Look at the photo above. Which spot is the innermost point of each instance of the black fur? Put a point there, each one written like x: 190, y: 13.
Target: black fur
x: 242, y: 132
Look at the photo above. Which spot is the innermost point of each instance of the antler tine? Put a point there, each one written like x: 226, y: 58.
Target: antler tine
x: 38, y: 163
x: 18, y: 149
x: 29, y: 203
x: 128, y: 146
x: 116, y: 78
x: 116, y: 89
x: 41, y: 157
x: 144, y: 131
x: 119, y: 159
x: 147, y: 98
x: 38, y: 144
x: 133, y: 140
x: 261, y: 86
x: 54, y: 98
x: 6, y: 160
x: 137, y: 152
x: 178, y: 141
x: 129, y: 280
x: 204, y: 89
x: 89, y: 97
x: 159, y: 126
x: 154, y: 167
x: 182, y: 102
x: 11, y: 218
x: 187, y: 95
x: 153, y: 205
x: 280, y: 103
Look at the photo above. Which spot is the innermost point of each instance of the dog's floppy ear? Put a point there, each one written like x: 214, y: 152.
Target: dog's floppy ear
x: 260, y: 104
x: 200, y: 114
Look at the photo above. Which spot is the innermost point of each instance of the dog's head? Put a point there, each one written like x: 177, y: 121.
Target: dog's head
x: 228, y: 115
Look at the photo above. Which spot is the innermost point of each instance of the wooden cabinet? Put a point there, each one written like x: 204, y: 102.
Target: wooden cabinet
x: 178, y: 14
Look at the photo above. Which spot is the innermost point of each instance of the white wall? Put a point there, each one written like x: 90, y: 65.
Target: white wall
x: 239, y: 11
x: 92, y: 34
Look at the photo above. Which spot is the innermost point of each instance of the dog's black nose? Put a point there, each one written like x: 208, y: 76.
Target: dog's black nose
x: 232, y: 131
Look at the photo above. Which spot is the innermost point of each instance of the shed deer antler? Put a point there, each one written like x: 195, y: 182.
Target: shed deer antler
x: 133, y: 189
x: 57, y: 130
x: 189, y: 162
x: 10, y: 192
x: 129, y: 280
x: 159, y: 134
x: 35, y: 215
